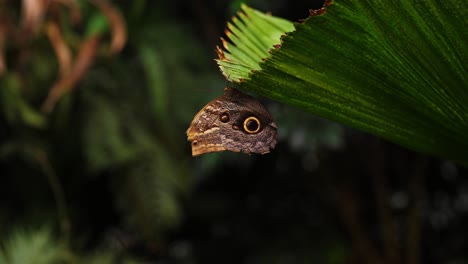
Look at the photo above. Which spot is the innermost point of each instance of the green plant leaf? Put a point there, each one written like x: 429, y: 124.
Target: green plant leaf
x: 396, y: 69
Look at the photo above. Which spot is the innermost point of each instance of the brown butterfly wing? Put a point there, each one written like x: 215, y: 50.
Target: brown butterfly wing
x: 235, y: 122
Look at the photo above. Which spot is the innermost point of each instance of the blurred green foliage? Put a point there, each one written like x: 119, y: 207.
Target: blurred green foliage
x: 31, y: 247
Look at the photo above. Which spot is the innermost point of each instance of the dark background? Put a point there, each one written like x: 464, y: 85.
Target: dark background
x: 117, y: 152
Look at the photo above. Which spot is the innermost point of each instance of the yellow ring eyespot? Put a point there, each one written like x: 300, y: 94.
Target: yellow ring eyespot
x: 252, y: 125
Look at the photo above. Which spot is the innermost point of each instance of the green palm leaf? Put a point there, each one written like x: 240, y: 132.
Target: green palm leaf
x: 395, y: 69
